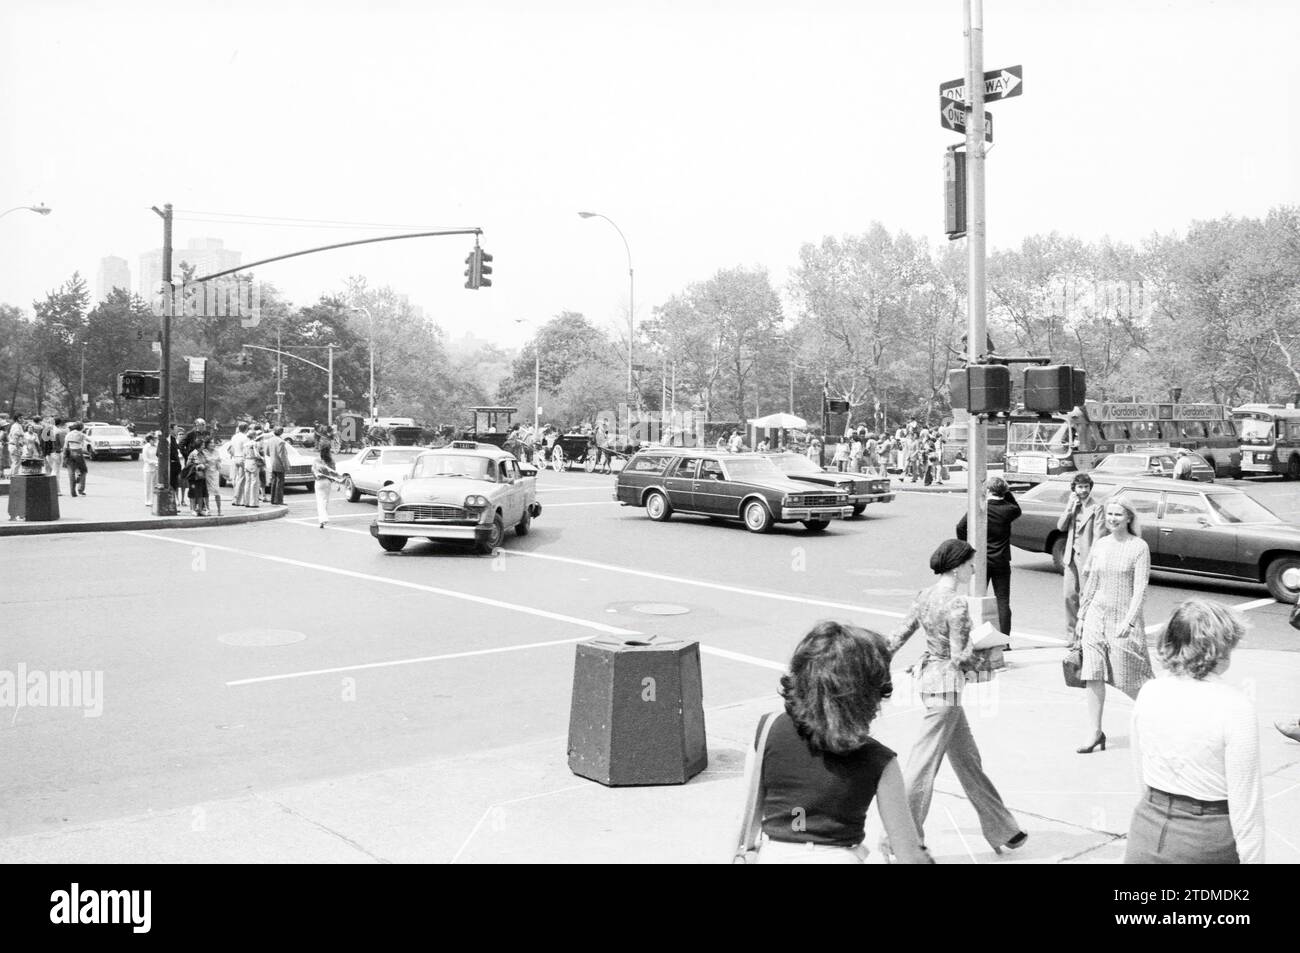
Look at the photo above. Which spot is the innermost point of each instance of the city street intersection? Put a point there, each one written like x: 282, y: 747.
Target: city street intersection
x: 275, y: 691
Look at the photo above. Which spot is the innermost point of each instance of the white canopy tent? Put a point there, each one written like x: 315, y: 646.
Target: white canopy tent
x: 781, y: 421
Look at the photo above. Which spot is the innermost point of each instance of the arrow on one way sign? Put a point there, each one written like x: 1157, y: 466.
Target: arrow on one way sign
x: 998, y: 84
x: 953, y: 116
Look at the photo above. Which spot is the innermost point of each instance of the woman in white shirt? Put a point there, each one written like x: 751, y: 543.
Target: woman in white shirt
x: 150, y: 456
x: 1196, y: 745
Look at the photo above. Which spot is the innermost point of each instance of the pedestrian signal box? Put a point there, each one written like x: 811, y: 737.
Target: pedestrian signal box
x: 954, y: 194
x: 981, y: 388
x: 138, y: 385
x: 1054, y: 389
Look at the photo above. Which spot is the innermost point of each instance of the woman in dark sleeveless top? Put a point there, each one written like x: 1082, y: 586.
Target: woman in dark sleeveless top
x: 821, y: 769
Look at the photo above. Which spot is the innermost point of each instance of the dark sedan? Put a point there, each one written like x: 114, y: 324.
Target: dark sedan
x: 862, y: 488
x: 738, y: 486
x: 1153, y: 461
x: 1197, y: 529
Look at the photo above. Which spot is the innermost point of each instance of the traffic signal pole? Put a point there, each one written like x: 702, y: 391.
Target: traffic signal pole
x: 164, y: 501
x: 982, y: 606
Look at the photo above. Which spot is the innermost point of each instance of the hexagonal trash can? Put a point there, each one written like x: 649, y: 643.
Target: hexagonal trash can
x: 34, y: 497
x: 637, y: 715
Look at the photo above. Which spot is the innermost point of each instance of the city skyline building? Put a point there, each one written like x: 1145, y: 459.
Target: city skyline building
x: 207, y: 255
x: 113, y: 273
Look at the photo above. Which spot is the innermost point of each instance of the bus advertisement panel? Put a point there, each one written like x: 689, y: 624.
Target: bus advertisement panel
x: 1270, y: 438
x: 1040, y: 447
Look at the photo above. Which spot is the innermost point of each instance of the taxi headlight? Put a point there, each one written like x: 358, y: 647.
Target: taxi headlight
x: 388, y: 496
x: 475, y: 502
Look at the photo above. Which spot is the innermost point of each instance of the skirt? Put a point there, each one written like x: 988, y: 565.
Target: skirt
x: 1172, y: 829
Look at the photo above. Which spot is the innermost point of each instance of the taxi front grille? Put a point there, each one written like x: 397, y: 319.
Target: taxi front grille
x: 822, y: 501
x: 419, y: 513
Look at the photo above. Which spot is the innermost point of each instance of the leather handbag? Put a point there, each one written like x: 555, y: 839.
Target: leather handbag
x: 751, y: 818
x: 1071, y: 665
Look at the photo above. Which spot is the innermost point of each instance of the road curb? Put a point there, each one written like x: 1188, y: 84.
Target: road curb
x: 20, y: 528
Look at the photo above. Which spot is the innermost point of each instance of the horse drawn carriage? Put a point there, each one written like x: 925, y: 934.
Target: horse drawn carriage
x: 583, y: 450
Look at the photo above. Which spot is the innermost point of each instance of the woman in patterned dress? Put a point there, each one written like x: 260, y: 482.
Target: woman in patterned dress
x: 1112, y: 628
x: 939, y: 676
x: 252, y: 488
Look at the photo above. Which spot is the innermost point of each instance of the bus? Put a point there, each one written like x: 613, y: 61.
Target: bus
x: 1041, y: 447
x: 1270, y: 438
x: 956, y: 440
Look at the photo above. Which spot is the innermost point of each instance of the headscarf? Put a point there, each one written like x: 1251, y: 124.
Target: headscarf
x: 950, y: 554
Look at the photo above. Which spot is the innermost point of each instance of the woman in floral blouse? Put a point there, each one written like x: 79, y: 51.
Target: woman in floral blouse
x: 939, y: 675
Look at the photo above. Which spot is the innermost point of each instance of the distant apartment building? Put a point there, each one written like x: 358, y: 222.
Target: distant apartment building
x: 114, y: 272
x: 207, y: 255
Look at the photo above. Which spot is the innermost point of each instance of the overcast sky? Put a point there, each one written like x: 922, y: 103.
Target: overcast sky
x: 715, y: 134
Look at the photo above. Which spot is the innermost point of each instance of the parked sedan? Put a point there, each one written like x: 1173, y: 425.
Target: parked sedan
x: 375, y: 468
x: 733, y: 486
x: 862, y: 488
x: 1197, y: 529
x: 1156, y: 461
x: 110, y: 440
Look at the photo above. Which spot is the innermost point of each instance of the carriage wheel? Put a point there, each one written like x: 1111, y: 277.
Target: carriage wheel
x: 589, y: 462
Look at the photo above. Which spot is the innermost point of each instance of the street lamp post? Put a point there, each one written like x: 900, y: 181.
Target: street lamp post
x: 366, y: 311
x: 631, y: 310
x: 537, y: 380
x: 41, y: 209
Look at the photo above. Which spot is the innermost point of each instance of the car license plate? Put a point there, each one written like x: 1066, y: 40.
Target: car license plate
x: 1033, y: 464
x: 405, y: 516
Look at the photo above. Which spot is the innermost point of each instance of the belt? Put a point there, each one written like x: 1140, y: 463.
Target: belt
x: 1184, y: 803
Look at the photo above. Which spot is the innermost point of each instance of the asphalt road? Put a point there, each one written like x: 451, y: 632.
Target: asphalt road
x: 241, y: 658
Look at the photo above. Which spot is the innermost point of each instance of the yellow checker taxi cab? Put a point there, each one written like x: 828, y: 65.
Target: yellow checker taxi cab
x: 464, y: 492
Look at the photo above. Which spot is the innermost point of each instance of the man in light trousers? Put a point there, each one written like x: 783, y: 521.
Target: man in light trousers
x: 238, y: 444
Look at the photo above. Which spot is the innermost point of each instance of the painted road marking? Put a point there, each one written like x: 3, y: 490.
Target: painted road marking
x: 367, y: 577
x: 408, y: 661
x: 1257, y: 604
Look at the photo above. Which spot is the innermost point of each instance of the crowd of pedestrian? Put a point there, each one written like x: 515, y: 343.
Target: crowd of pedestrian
x: 1194, y: 737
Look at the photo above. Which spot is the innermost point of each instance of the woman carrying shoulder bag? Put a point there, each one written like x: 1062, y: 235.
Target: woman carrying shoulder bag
x: 815, y: 769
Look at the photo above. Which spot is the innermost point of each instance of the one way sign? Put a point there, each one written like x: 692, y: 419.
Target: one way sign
x: 953, y: 116
x: 998, y: 84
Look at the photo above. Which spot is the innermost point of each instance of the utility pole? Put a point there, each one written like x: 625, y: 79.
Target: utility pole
x: 329, y: 397
x: 164, y: 503
x: 982, y: 606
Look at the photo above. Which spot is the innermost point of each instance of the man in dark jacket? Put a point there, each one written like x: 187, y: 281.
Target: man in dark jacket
x: 1003, y: 510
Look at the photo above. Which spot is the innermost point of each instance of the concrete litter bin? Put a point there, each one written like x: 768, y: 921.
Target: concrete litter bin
x: 34, y: 497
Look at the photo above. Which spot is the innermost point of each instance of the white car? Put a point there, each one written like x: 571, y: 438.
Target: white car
x: 299, y: 473
x: 109, y: 440
x: 374, y: 468
x: 467, y: 492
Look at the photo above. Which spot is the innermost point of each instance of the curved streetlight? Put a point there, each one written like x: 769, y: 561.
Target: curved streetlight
x: 537, y: 378
x: 41, y: 209
x: 370, y: 318
x: 631, y: 311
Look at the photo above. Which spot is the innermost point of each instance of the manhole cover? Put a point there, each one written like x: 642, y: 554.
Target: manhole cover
x: 262, y: 637
x: 659, y: 608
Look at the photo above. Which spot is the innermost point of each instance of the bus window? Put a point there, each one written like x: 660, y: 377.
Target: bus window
x: 1293, y: 431
x: 1113, y: 430
x: 1091, y: 437
x: 1192, y: 429
x: 1222, y: 428
x: 1144, y: 430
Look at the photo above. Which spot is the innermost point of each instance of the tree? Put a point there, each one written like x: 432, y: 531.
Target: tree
x: 116, y: 337
x: 565, y: 342
x: 60, y: 329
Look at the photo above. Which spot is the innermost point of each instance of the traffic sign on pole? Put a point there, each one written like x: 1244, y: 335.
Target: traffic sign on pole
x: 998, y: 84
x: 953, y: 116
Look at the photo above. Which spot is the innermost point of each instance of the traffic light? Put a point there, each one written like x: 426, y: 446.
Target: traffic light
x: 471, y: 269
x: 954, y: 194
x: 138, y: 385
x: 484, y: 268
x: 1054, y: 389
x: 837, y: 406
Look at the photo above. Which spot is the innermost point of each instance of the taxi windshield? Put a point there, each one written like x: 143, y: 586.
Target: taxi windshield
x: 453, y: 465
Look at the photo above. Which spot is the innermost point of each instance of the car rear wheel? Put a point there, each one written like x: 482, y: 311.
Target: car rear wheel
x: 135, y: 456
x: 525, y: 524
x: 1293, y: 469
x: 1278, y: 586
x: 1058, y: 554
x: 392, y: 544
x: 350, y: 490
x: 488, y: 546
x: 657, y: 507
x: 816, y: 526
x: 757, y: 518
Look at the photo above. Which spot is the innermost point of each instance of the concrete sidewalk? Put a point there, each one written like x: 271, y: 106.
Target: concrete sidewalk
x: 520, y: 803
x: 115, y: 501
